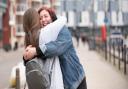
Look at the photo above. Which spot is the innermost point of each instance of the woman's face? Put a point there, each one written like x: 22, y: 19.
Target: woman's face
x: 45, y: 18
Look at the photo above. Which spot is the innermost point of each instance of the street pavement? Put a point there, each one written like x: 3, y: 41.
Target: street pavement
x: 100, y: 74
x: 7, y: 61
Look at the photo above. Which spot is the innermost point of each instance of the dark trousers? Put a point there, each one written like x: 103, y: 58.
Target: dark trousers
x: 83, y: 84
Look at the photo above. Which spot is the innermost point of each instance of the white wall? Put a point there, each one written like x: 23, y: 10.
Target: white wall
x: 100, y: 18
x: 115, y: 21
x: 85, y: 19
x: 71, y: 20
x: 124, y: 5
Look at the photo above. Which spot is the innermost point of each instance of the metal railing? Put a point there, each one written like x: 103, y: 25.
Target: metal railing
x: 111, y: 52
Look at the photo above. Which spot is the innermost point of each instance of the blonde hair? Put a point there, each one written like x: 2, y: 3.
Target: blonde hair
x: 31, y: 25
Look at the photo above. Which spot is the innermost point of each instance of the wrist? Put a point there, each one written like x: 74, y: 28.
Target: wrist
x: 35, y: 52
x: 39, y: 53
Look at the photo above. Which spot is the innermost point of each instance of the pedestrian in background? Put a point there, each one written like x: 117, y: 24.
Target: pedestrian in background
x: 77, y: 36
x: 15, y: 45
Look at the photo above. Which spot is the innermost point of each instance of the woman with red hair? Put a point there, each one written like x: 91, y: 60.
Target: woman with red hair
x: 72, y: 70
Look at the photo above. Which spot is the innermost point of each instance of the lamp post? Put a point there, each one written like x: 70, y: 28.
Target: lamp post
x: 106, y: 26
x: 94, y: 26
x: 75, y: 14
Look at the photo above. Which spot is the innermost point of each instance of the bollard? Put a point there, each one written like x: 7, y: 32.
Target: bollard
x: 110, y: 52
x: 114, y: 55
x: 119, y: 49
x: 125, y: 51
x: 105, y: 50
x: 17, y: 78
x: 122, y: 49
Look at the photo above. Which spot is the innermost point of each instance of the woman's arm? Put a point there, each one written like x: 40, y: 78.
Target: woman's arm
x: 58, y: 47
x: 53, y: 48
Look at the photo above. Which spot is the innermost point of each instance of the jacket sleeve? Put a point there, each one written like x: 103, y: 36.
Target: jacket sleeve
x: 59, y: 46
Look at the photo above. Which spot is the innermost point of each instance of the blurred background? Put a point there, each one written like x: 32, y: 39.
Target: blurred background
x: 99, y: 28
x: 86, y: 17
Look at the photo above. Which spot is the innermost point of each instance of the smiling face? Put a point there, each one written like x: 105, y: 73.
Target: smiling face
x: 45, y: 18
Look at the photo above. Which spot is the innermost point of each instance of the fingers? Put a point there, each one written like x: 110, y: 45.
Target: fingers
x: 28, y: 55
x: 28, y: 47
x: 29, y: 52
x: 25, y: 55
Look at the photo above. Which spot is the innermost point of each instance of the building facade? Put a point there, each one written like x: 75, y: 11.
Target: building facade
x: 5, y: 32
x: 84, y: 14
x: 17, y: 9
x: 3, y: 6
x: 81, y: 14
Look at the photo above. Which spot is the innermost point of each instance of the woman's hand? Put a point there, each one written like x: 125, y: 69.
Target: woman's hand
x: 30, y: 52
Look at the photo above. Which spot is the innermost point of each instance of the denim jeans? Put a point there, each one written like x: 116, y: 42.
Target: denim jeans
x: 83, y: 84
